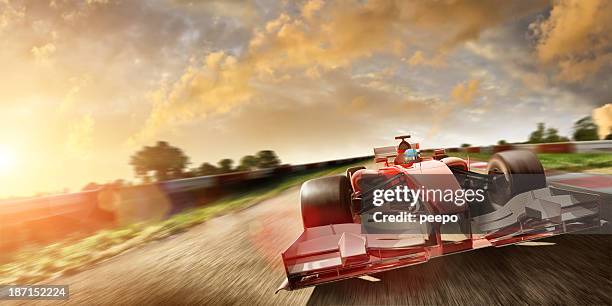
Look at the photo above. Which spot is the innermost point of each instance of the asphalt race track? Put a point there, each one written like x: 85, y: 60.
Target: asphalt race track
x: 234, y: 259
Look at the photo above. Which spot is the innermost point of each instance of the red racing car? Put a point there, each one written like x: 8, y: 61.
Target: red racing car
x: 369, y: 221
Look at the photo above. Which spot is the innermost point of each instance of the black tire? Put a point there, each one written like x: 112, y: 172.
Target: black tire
x: 522, y: 171
x: 350, y: 171
x: 326, y: 201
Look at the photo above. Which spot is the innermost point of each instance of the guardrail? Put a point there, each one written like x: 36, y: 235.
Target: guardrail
x: 48, y: 218
x: 595, y: 146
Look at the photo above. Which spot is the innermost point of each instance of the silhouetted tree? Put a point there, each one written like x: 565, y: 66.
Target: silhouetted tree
x: 248, y: 162
x: 225, y: 165
x: 267, y: 159
x: 608, y: 137
x: 585, y: 129
x: 208, y: 169
x: 164, y: 160
x: 543, y: 135
x: 502, y: 142
x: 537, y: 136
x: 551, y: 135
x: 465, y: 145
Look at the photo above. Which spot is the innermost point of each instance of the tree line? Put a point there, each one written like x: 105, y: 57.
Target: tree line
x: 583, y: 130
x: 165, y: 162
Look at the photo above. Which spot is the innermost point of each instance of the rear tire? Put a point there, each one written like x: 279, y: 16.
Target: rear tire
x: 326, y: 201
x: 522, y: 171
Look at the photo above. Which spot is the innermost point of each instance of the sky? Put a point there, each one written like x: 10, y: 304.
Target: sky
x: 85, y: 84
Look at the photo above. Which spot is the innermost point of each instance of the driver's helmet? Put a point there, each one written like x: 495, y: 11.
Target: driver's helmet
x: 411, y: 155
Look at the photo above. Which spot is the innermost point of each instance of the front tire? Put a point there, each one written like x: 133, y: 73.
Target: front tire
x: 326, y: 201
x: 514, y: 172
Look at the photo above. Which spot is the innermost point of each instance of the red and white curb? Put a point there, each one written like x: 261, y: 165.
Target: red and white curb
x: 478, y: 165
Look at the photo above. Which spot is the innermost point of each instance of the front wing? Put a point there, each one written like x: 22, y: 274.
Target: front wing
x: 335, y: 252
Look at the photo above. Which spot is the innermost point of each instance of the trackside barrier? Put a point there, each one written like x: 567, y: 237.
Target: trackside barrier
x: 49, y: 218
x: 594, y: 146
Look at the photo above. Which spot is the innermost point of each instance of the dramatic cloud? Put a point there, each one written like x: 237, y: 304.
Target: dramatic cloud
x: 216, y: 86
x: 327, y: 36
x: 311, y: 7
x: 603, y: 118
x: 466, y: 92
x: 89, y: 82
x: 576, y: 37
x: 10, y: 13
x: 43, y: 53
x: 418, y: 58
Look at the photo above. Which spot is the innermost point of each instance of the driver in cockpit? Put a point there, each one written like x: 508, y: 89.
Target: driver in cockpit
x: 405, y: 153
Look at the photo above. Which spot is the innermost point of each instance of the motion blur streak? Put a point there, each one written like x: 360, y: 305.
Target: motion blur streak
x: 234, y: 260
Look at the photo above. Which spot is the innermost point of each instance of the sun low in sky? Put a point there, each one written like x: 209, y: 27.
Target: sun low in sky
x: 8, y: 161
x: 85, y: 84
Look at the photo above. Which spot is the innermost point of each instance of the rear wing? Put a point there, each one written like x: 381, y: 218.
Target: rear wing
x: 382, y: 154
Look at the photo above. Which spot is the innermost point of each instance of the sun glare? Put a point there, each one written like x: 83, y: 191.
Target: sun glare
x: 7, y: 160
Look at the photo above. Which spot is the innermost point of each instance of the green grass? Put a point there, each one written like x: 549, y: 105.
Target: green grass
x: 575, y: 161
x: 560, y: 161
x: 69, y: 257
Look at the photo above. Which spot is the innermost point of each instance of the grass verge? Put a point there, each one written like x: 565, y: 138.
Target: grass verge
x: 572, y: 162
x: 69, y: 257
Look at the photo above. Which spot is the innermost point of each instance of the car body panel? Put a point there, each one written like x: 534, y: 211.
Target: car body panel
x: 335, y: 252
